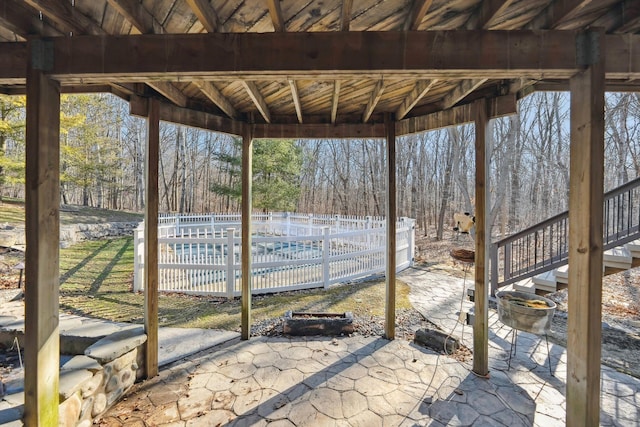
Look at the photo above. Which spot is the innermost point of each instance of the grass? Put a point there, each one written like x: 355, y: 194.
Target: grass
x: 11, y: 211
x: 96, y: 280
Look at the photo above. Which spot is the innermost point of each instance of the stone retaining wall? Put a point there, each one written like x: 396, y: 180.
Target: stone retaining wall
x: 13, y: 236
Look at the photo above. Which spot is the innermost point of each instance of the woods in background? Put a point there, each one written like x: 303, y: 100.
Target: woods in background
x: 102, y: 164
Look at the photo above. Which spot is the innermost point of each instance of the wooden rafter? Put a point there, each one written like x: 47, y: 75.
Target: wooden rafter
x: 170, y: 92
x: 417, y: 93
x: 144, y: 22
x: 334, y: 100
x: 345, y: 15
x: 22, y: 20
x: 257, y: 99
x: 276, y: 15
x: 417, y: 13
x: 67, y: 16
x: 296, y: 99
x: 463, y: 89
x: 139, y: 17
x: 206, y: 14
x: 490, y: 10
x: 211, y: 92
x: 558, y: 11
x: 373, y: 101
x: 630, y: 12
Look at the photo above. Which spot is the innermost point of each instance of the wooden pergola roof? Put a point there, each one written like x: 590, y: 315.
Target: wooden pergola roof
x: 333, y: 62
x: 331, y: 68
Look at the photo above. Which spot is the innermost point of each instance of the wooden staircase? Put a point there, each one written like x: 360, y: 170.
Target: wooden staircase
x: 535, y: 260
x: 614, y: 260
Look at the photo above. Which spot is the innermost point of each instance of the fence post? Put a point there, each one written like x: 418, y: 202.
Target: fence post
x: 213, y: 226
x: 326, y: 253
x: 310, y: 222
x: 412, y: 239
x: 287, y: 217
x: 138, y: 254
x: 231, y: 259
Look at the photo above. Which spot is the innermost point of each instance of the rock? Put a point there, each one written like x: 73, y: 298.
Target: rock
x: 115, y: 345
x: 69, y: 411
x: 81, y: 362
x: 91, y: 386
x: 99, y: 404
x: 71, y: 382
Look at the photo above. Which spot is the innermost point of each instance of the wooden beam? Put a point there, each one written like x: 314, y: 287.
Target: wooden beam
x: 416, y: 14
x: 390, y: 277
x: 170, y: 92
x: 257, y: 99
x: 139, y: 17
x: 152, y: 157
x: 451, y: 54
x: 482, y: 241
x: 217, y: 98
x: 247, y: 209
x: 21, y: 19
x: 490, y: 10
x: 498, y: 107
x: 206, y: 14
x: 584, y: 327
x: 463, y: 89
x: 373, y: 101
x: 296, y: 99
x: 319, y: 131
x: 276, y: 15
x: 42, y: 218
x: 334, y: 100
x: 327, y: 55
x: 345, y: 15
x: 419, y: 90
x: 67, y: 16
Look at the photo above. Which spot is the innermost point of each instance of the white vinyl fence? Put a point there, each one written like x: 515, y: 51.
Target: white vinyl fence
x: 200, y: 254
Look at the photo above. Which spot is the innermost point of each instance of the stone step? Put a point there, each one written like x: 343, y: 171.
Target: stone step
x: 618, y: 257
x: 634, y: 248
x: 546, y: 280
x: 562, y: 274
x: 525, y: 285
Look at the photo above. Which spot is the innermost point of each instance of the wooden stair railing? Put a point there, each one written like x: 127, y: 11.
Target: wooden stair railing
x: 544, y: 246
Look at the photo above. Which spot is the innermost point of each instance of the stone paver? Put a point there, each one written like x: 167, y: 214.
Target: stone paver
x: 370, y: 381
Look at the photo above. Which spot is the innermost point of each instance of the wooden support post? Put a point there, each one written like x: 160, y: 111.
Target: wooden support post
x: 247, y: 177
x: 481, y: 324
x: 151, y: 239
x: 42, y: 226
x: 390, y: 307
x: 584, y: 328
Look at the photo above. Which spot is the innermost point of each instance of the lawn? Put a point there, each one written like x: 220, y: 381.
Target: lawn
x: 96, y: 279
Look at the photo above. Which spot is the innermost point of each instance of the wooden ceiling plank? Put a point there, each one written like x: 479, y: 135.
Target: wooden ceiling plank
x: 257, y: 99
x: 463, y: 89
x: 296, y: 99
x: 345, y: 16
x: 206, y: 14
x: 276, y: 15
x: 490, y: 10
x: 334, y: 100
x: 373, y: 101
x: 419, y: 90
x: 134, y: 12
x: 21, y: 19
x: 417, y: 13
x: 211, y: 92
x: 170, y: 92
x: 67, y: 16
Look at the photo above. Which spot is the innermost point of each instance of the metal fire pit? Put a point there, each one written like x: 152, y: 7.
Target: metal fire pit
x: 529, y: 319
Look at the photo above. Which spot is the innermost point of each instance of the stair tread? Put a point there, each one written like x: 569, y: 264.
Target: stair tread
x: 617, y: 254
x: 525, y: 285
x: 547, y: 278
